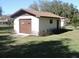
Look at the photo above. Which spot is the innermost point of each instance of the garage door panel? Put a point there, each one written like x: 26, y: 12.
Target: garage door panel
x: 25, y: 26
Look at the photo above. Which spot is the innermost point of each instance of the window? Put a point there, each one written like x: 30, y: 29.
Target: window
x: 51, y: 21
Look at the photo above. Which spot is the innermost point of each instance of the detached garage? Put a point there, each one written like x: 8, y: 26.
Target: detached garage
x: 32, y: 22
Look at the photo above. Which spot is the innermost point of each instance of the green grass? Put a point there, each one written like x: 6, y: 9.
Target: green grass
x: 57, y: 45
x: 73, y: 35
x: 5, y: 30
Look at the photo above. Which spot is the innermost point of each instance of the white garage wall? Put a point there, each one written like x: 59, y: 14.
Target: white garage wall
x: 62, y: 23
x: 16, y: 25
x: 44, y: 24
x: 34, y: 25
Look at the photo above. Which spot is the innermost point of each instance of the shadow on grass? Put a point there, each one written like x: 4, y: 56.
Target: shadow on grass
x: 5, y: 37
x: 55, y: 31
x: 60, y: 31
x: 4, y: 41
x: 48, y: 49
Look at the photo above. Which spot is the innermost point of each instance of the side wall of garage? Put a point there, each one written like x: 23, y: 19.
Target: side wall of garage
x: 47, y: 24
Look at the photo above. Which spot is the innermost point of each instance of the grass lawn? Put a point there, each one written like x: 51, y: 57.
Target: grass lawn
x: 57, y: 45
x: 72, y: 35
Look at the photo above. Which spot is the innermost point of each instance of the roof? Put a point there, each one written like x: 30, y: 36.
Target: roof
x: 38, y: 13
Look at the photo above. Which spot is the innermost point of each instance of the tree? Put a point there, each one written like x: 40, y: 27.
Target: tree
x: 57, y: 7
x: 0, y: 11
x: 60, y: 8
x: 34, y: 6
x: 75, y: 21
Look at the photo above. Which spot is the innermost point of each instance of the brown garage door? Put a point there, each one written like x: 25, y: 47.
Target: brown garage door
x: 25, y: 26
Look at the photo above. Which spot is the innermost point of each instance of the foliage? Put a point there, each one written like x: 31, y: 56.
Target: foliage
x: 34, y: 6
x: 75, y: 20
x: 0, y: 11
x: 57, y: 7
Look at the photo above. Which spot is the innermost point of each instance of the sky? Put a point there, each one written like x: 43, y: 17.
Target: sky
x: 11, y: 6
